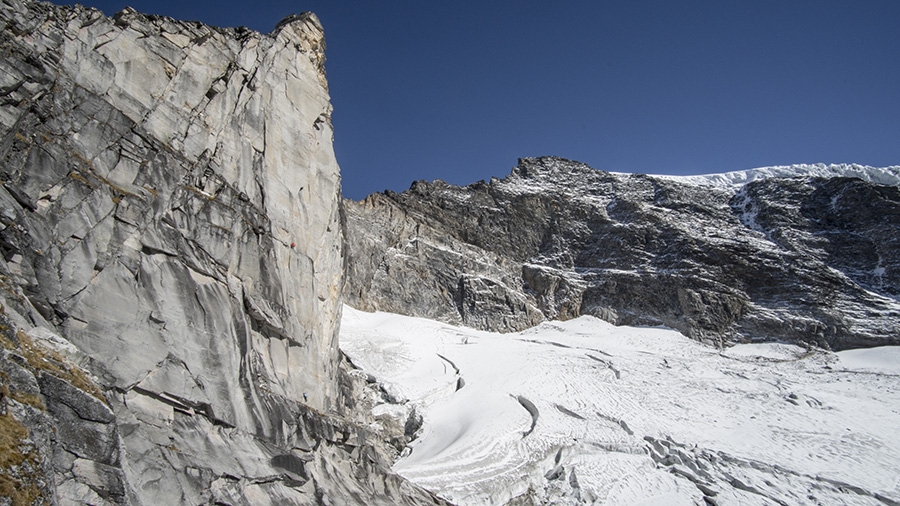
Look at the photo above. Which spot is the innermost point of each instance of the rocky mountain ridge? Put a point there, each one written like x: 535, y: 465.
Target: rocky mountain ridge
x: 172, y: 269
x: 175, y: 252
x: 722, y: 258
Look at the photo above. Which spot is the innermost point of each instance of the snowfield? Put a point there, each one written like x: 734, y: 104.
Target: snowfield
x: 585, y: 412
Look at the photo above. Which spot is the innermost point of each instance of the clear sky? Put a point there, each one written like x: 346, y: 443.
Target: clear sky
x: 458, y: 90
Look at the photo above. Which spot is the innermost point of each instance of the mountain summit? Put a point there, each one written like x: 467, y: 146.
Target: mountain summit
x: 176, y: 257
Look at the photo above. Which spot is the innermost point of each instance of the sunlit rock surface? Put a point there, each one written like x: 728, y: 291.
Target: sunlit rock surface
x: 170, y: 220
x: 171, y: 283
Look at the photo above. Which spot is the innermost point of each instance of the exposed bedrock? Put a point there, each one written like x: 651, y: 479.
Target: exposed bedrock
x: 804, y: 259
x: 170, y: 231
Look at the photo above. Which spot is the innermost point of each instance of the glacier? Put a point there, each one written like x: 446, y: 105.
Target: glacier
x: 176, y: 256
x: 584, y: 412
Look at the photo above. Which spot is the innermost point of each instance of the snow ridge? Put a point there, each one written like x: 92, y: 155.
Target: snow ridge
x: 732, y: 180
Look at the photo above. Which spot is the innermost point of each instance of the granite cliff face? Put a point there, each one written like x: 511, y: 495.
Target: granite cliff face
x: 804, y: 255
x: 172, y: 268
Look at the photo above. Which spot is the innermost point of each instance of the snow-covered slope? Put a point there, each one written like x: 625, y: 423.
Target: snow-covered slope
x: 584, y: 412
x: 878, y: 175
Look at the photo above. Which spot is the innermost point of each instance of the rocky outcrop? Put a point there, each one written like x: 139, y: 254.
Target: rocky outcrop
x: 803, y: 259
x: 171, y: 233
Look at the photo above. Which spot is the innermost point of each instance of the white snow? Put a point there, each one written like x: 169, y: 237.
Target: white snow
x: 629, y: 415
x: 884, y: 359
x: 771, y: 351
x: 880, y: 175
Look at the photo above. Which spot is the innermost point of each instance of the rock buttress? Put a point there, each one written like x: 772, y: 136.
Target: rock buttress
x: 170, y: 212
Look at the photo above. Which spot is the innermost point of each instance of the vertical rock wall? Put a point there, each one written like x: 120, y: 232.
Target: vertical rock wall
x: 170, y: 223
x: 162, y: 172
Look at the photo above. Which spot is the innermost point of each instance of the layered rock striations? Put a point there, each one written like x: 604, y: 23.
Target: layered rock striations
x: 811, y: 258
x: 172, y: 267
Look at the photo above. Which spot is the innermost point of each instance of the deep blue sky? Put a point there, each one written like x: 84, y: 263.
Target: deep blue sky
x: 459, y: 90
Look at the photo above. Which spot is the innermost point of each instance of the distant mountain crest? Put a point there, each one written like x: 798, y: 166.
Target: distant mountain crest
x: 878, y: 175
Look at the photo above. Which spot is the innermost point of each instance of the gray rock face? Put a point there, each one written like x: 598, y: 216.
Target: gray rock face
x: 169, y: 218
x: 796, y: 259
